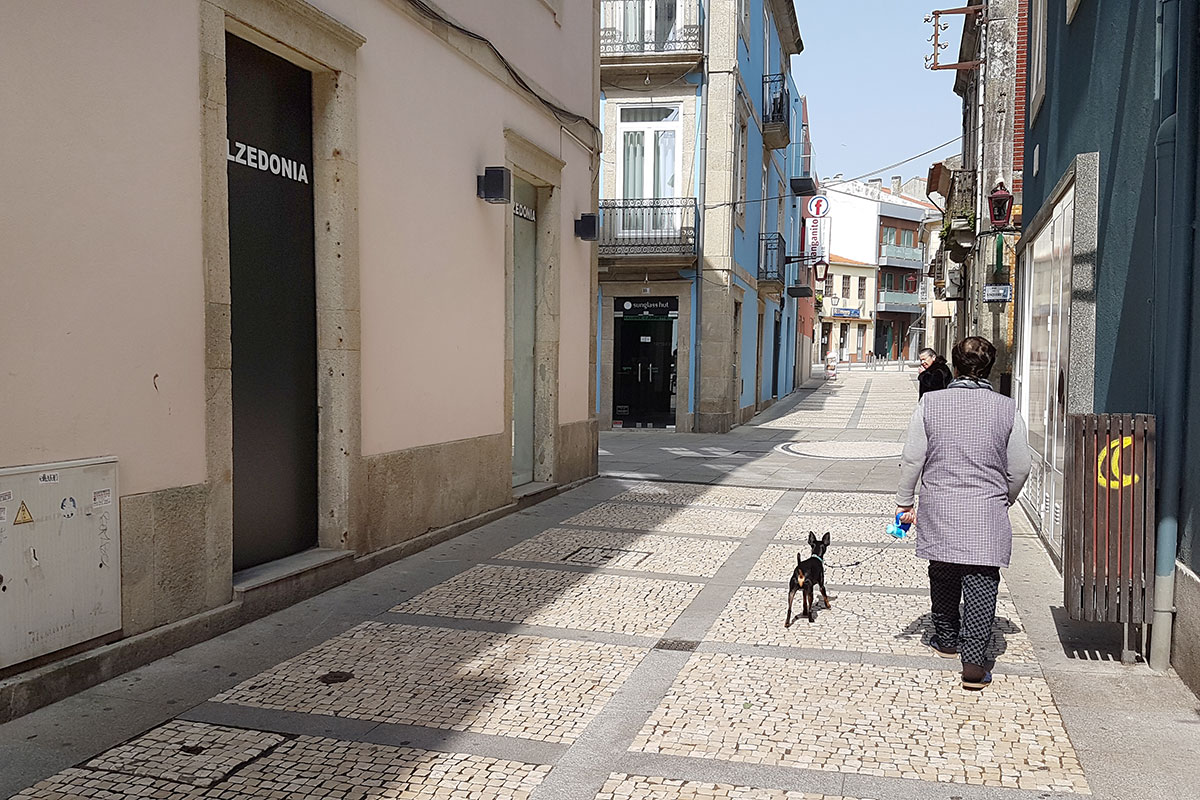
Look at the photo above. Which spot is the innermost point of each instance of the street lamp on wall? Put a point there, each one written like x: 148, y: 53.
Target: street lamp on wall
x: 494, y: 185
x: 820, y: 270
x: 1000, y: 205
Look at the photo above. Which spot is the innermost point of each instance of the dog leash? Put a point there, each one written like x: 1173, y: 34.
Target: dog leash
x: 876, y: 554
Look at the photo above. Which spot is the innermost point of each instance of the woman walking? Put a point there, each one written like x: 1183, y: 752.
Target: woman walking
x: 968, y: 447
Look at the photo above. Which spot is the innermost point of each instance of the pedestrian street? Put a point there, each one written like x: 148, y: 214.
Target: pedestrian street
x: 625, y: 641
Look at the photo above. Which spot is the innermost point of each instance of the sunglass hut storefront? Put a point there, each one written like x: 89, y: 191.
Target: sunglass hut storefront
x: 646, y: 358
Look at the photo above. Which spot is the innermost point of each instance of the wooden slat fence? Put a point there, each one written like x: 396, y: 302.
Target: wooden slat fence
x: 1109, y: 525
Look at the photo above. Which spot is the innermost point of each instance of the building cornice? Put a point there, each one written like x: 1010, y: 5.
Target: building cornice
x: 784, y: 12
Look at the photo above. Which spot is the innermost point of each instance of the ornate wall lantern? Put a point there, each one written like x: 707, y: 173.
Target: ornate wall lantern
x: 1000, y: 205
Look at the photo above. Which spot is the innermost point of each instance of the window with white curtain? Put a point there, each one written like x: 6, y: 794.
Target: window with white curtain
x: 650, y: 155
x: 650, y: 166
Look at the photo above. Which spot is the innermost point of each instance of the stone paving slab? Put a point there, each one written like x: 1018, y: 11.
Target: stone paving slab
x: 645, y: 552
x: 683, y: 494
x: 614, y: 603
x: 315, y: 767
x: 867, y: 622
x: 621, y: 786
x: 482, y: 682
x: 667, y: 519
x: 879, y: 505
x: 865, y: 719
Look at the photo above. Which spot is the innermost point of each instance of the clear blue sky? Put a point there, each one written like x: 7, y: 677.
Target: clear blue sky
x: 871, y: 101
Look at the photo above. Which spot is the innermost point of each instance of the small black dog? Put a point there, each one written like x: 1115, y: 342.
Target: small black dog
x: 809, y: 572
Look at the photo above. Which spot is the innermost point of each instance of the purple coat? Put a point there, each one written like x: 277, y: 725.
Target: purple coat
x: 969, y: 448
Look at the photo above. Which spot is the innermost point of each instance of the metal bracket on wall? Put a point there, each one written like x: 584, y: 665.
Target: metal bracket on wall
x: 935, y: 17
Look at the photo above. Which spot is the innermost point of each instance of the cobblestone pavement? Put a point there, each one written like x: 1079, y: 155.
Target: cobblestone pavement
x: 624, y: 641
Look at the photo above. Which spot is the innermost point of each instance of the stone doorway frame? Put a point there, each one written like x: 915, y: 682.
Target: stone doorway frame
x: 305, y: 36
x: 681, y: 289
x: 534, y: 165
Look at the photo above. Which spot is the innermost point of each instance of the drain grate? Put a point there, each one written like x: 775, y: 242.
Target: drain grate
x: 606, y: 557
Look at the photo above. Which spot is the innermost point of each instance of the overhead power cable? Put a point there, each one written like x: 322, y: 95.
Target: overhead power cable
x: 564, y: 115
x: 897, y: 164
x: 831, y: 184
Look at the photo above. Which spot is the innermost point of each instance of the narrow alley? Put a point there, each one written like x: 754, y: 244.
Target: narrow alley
x: 626, y: 640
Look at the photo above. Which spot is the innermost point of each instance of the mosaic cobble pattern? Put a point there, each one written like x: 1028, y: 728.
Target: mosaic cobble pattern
x: 621, y: 786
x: 880, y: 505
x: 841, y: 528
x: 314, y: 767
x: 668, y: 519
x: 85, y: 784
x: 865, y: 622
x: 502, y: 684
x: 698, y: 494
x: 866, y: 719
x: 594, y: 602
x: 187, y: 752
x: 671, y: 555
x: 891, y: 567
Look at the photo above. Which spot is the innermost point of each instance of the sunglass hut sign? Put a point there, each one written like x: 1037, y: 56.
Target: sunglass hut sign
x: 241, y: 153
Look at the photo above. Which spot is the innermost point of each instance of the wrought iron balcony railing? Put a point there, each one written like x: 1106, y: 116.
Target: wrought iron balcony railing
x: 771, y: 251
x: 664, y: 226
x: 634, y: 27
x: 776, y: 112
x: 776, y: 100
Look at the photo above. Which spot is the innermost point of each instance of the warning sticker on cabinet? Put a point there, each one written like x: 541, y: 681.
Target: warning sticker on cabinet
x: 23, y: 516
x: 102, y: 497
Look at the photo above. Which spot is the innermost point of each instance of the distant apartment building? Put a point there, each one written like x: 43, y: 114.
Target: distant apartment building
x: 870, y: 302
x: 300, y: 293
x: 696, y: 329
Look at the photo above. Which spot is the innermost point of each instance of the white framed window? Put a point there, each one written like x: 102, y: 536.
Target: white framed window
x: 651, y: 158
x: 1037, y: 58
x: 762, y: 205
x: 650, y: 169
x: 766, y: 40
x: 742, y: 165
x: 862, y: 338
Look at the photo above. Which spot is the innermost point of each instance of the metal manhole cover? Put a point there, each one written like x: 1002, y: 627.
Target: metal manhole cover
x: 606, y: 557
x: 843, y: 451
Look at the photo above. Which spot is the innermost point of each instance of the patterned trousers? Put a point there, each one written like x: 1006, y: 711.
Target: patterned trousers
x: 977, y: 588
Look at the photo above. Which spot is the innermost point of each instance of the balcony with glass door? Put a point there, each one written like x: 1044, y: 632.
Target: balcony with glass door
x: 648, y: 224
x: 776, y: 112
x: 899, y: 301
x: 801, y: 174
x: 650, y: 35
x: 898, y: 247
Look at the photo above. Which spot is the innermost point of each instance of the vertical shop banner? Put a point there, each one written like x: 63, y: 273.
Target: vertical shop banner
x: 272, y: 278
x: 816, y: 239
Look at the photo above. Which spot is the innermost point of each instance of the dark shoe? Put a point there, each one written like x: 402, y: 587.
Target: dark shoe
x: 944, y: 652
x: 975, y: 677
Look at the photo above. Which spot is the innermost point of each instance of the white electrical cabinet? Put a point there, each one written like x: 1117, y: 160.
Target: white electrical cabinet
x: 60, y: 556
